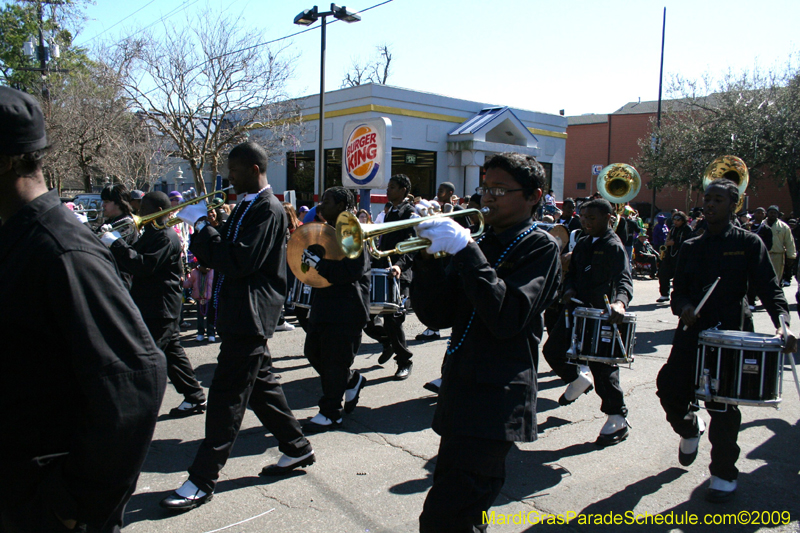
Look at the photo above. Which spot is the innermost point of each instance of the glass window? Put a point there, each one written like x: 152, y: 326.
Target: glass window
x: 300, y: 176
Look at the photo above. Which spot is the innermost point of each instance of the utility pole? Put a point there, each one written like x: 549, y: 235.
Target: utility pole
x: 43, y: 52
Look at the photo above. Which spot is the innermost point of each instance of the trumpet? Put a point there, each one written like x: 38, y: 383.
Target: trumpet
x: 135, y: 223
x: 85, y: 211
x: 353, y: 238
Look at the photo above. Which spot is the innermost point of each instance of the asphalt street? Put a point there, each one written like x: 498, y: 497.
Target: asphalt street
x: 373, y: 474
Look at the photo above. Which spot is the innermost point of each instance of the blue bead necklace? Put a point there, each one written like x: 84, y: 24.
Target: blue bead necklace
x: 499, y: 260
x: 235, y: 235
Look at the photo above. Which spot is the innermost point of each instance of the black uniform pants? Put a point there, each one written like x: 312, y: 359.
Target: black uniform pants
x: 331, y: 350
x: 469, y: 475
x: 558, y: 342
x: 166, y: 333
x: 244, y: 375
x: 606, y: 385
x: 665, y: 273
x: 676, y: 391
x: 391, y: 335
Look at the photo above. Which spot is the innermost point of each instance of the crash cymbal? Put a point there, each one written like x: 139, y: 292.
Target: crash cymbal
x: 302, y: 238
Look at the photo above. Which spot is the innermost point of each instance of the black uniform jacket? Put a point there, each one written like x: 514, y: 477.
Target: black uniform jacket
x: 489, y: 383
x: 598, y: 269
x: 740, y: 259
x: 81, y: 380
x: 252, y: 294
x: 572, y: 223
x: 765, y: 232
x: 346, y: 302
x: 389, y: 241
x: 154, y: 261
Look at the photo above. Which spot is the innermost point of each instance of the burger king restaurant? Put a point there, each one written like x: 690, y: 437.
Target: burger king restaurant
x: 430, y: 138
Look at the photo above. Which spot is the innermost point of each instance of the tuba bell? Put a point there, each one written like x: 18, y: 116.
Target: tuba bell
x: 729, y: 167
x: 619, y: 183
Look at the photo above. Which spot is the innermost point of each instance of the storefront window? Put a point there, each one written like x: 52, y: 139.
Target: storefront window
x: 300, y: 176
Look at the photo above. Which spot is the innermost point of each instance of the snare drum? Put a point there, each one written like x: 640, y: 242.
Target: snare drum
x: 299, y: 295
x: 593, y: 338
x: 739, y: 368
x: 384, y: 292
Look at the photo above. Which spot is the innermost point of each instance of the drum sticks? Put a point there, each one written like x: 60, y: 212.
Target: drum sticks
x: 617, y: 336
x: 703, y: 301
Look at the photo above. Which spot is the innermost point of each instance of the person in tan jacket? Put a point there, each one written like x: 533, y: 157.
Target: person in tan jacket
x: 782, y: 241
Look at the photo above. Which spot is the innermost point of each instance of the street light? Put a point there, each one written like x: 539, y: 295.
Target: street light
x: 306, y: 18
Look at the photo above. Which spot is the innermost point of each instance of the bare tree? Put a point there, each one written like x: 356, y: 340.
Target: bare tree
x: 203, y: 87
x: 374, y: 70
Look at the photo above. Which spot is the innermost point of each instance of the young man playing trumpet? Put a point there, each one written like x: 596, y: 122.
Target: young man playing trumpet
x: 338, y: 315
x: 492, y: 293
x: 738, y: 258
x: 154, y: 264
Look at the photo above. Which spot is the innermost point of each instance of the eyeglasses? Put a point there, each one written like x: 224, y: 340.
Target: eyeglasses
x: 495, y: 191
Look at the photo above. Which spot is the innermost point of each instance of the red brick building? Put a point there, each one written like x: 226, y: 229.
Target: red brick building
x: 613, y: 138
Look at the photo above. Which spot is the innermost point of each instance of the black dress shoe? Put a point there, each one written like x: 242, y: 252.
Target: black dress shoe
x: 176, y: 502
x: 188, y: 409
x: 286, y: 464
x: 350, y: 405
x: 612, y: 438
x: 719, y: 496
x: 387, y: 354
x: 403, y: 371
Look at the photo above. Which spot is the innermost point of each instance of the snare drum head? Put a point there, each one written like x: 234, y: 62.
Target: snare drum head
x: 745, y: 339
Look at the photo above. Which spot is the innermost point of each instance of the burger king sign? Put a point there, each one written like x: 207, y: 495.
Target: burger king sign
x: 367, y: 155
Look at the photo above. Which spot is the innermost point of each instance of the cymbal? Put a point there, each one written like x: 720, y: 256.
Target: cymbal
x: 302, y: 238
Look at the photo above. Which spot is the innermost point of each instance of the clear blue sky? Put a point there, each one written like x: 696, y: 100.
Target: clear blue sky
x: 581, y: 56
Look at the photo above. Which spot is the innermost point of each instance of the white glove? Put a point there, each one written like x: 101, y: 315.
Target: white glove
x: 435, y: 207
x: 310, y: 260
x: 192, y: 213
x: 105, y: 228
x: 424, y: 208
x: 445, y: 234
x: 110, y: 237
x: 81, y: 217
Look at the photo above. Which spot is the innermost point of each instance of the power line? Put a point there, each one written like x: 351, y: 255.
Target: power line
x: 181, y: 7
x: 121, y: 21
x: 258, y: 45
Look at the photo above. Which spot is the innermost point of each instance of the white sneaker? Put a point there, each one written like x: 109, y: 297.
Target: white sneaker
x: 284, y: 327
x: 663, y: 299
x: 212, y: 338
x: 201, y: 338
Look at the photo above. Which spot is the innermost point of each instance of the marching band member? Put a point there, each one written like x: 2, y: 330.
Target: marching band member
x: 82, y: 379
x: 738, y: 257
x: 679, y: 233
x: 599, y: 267
x: 492, y: 294
x: 391, y: 334
x: 338, y: 315
x: 249, y: 256
x: 154, y: 262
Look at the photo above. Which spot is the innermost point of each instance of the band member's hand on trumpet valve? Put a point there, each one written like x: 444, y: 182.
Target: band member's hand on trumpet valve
x: 445, y: 234
x: 109, y: 236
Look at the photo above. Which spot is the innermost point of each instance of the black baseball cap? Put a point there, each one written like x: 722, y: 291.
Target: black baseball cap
x: 23, y: 123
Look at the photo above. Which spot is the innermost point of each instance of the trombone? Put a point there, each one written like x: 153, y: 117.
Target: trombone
x: 135, y: 223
